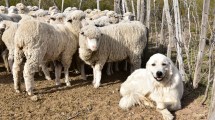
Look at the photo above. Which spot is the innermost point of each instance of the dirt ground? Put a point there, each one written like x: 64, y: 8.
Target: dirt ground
x: 82, y: 101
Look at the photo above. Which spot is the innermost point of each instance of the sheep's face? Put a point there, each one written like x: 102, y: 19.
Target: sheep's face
x: 114, y: 19
x: 3, y: 9
x: 92, y: 44
x: 20, y: 6
x: 91, y: 36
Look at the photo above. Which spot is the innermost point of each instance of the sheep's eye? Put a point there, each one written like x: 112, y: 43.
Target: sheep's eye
x: 163, y: 64
x: 153, y: 64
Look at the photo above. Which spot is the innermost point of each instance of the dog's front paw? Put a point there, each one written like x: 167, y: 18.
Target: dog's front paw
x: 166, y: 114
x: 168, y: 117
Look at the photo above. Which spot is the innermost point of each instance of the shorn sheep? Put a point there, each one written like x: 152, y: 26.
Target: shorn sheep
x: 40, y: 42
x: 116, y: 42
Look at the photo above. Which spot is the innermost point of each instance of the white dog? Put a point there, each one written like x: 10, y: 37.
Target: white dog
x: 160, y: 82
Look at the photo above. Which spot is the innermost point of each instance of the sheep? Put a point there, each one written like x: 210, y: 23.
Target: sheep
x: 53, y: 10
x: 116, y: 42
x: 128, y: 16
x: 3, y: 10
x: 5, y: 17
x: 13, y: 9
x: 41, y: 42
x: 9, y: 29
x: 57, y: 18
x: 22, y: 9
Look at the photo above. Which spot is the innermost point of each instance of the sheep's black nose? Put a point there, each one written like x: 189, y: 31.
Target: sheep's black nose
x: 159, y: 73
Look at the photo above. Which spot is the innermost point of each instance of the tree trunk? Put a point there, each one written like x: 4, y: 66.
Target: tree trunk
x: 201, y: 43
x: 138, y: 9
x: 143, y: 11
x: 156, y: 32
x: 98, y: 4
x: 211, y: 114
x: 123, y: 7
x: 7, y: 3
x: 39, y: 4
x: 133, y: 9
x: 54, y: 3
x: 117, y: 6
x: 126, y: 6
x: 179, y: 39
x: 148, y: 7
x: 62, y: 5
x: 170, y: 29
x: 162, y: 25
x: 80, y: 4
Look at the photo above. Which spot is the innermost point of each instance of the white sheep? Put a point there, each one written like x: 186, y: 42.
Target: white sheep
x: 22, y: 9
x: 40, y: 42
x: 57, y: 18
x: 9, y: 29
x: 53, y: 10
x: 13, y: 9
x: 3, y: 10
x: 116, y: 42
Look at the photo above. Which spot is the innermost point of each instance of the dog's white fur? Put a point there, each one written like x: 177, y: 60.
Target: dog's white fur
x: 164, y: 89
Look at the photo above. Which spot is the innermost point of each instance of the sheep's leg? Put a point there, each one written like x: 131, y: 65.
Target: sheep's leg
x: 10, y: 61
x: 94, y: 75
x: 31, y: 66
x: 66, y: 72
x: 58, y: 69
x: 46, y: 71
x: 17, y: 69
x: 126, y: 66
x: 29, y: 78
x: 116, y: 66
x: 109, y: 67
x: 98, y: 74
x: 83, y: 75
x: 5, y: 59
x: 66, y: 64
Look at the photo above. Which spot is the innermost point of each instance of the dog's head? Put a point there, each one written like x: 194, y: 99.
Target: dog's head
x: 160, y: 67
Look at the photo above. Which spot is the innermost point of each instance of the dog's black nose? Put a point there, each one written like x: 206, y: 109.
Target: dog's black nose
x: 159, y: 73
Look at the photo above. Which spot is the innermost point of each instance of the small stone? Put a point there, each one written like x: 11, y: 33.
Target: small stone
x: 34, y: 98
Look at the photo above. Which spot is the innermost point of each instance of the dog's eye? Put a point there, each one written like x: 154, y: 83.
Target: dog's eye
x: 164, y: 64
x: 153, y: 64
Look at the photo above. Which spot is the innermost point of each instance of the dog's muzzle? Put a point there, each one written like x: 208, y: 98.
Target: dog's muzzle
x: 159, y: 76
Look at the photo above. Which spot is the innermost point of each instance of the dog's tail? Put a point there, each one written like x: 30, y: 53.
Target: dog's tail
x: 128, y: 100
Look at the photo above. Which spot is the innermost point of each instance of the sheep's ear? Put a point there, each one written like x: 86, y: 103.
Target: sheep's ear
x: 2, y: 27
x: 52, y: 18
x: 82, y: 33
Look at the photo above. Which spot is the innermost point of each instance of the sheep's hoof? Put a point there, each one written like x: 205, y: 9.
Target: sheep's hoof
x: 68, y: 84
x: 109, y: 73
x: 96, y: 85
x: 48, y: 78
x: 57, y: 83
x: 30, y: 93
x: 18, y: 91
